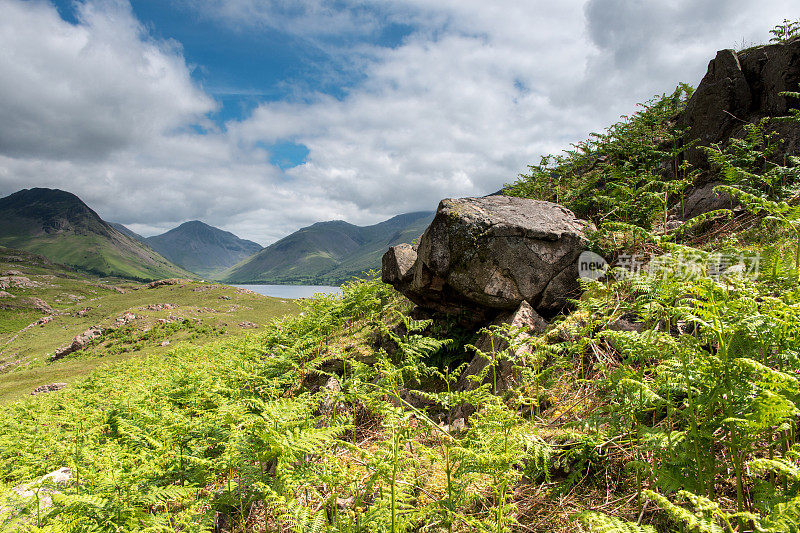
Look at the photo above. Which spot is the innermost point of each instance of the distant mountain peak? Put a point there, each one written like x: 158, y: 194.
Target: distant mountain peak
x: 202, y: 248
x: 60, y: 226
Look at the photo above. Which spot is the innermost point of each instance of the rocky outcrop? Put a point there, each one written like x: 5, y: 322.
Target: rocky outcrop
x: 481, y: 255
x: 78, y: 343
x: 52, y: 387
x: 158, y: 307
x: 22, y: 282
x: 740, y: 88
x: 169, y: 281
x: 38, y: 304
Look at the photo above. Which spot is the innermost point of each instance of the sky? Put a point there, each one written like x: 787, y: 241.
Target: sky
x: 264, y: 116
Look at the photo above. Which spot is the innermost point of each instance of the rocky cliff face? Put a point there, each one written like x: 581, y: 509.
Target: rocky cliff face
x: 741, y: 88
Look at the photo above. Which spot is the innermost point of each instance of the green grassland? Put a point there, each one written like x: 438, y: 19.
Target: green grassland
x: 202, y: 312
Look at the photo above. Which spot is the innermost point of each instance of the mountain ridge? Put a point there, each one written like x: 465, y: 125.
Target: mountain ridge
x: 329, y: 252
x: 60, y: 226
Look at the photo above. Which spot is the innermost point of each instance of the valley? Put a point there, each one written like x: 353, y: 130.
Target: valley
x: 44, y: 306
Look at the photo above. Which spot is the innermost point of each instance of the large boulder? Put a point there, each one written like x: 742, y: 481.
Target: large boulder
x: 740, y: 88
x: 491, y: 253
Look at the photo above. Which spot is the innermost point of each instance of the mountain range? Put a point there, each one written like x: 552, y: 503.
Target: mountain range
x: 60, y: 226
x: 328, y: 252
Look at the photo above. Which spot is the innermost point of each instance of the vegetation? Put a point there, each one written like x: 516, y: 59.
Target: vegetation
x: 667, y: 400
x: 196, y: 312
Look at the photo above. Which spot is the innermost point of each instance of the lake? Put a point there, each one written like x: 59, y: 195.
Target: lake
x: 291, y: 291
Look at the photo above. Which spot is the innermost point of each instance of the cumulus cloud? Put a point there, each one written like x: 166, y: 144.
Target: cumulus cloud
x: 473, y: 93
x: 86, y: 90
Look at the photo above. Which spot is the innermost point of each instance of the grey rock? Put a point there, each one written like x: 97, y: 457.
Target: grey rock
x: 702, y: 199
x: 743, y: 87
x: 398, y: 265
x: 491, y: 253
x: 459, y: 425
x: 331, y: 398
x: 46, y: 486
x: 530, y: 323
x: 52, y: 387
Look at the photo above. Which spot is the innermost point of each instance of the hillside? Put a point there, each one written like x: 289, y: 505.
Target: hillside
x: 44, y: 306
x: 328, y: 252
x: 202, y: 249
x: 663, y: 395
x: 59, y: 226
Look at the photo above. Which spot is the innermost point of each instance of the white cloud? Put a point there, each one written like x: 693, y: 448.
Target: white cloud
x: 476, y: 92
x: 86, y: 90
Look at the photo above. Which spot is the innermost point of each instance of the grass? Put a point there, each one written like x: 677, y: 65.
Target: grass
x: 202, y: 312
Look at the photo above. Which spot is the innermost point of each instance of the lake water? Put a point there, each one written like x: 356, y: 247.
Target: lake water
x: 291, y: 291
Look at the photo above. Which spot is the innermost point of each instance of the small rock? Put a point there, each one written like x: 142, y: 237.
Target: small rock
x: 165, y: 343
x: 170, y: 281
x: 125, y: 319
x: 44, y: 320
x: 4, y: 294
x: 459, y: 425
x: 248, y: 325
x: 242, y: 290
x: 12, y: 273
x: 225, y: 297
x: 52, y: 387
x: 159, y: 307
x: 524, y: 317
x: 701, y: 200
x: 624, y: 324
x: 331, y: 391
x: 46, y: 486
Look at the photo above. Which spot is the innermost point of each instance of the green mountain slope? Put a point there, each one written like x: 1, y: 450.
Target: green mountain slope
x: 328, y: 252
x: 201, y: 248
x: 59, y: 226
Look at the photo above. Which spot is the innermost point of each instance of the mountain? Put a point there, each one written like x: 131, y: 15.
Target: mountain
x: 328, y: 252
x: 201, y: 248
x: 126, y: 231
x: 59, y: 226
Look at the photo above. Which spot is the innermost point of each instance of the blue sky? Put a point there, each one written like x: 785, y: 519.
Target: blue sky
x: 263, y: 116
